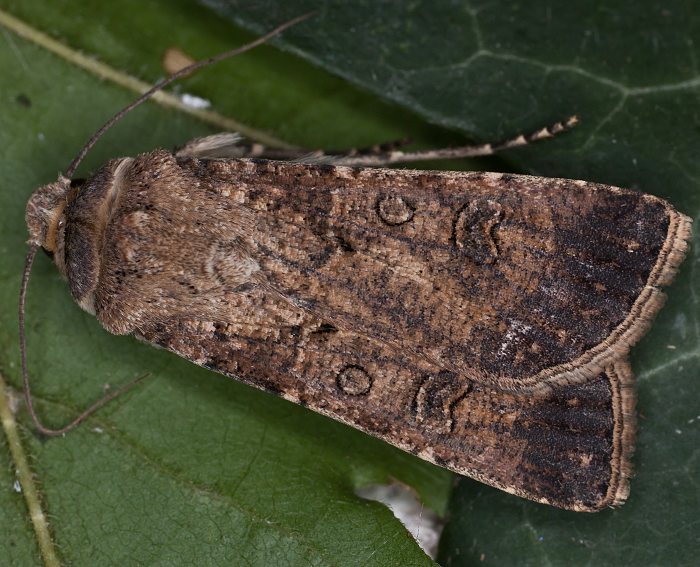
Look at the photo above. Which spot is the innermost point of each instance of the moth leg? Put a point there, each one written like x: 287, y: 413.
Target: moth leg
x: 394, y: 156
x: 225, y: 145
x: 232, y: 145
x: 376, y: 149
x: 381, y: 155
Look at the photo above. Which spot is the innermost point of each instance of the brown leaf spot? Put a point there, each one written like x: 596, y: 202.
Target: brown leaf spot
x: 174, y: 60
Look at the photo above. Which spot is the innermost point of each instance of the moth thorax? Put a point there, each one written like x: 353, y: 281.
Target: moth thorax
x: 81, y: 228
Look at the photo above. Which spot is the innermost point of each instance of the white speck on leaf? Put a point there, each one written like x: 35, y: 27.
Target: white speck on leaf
x: 195, y: 101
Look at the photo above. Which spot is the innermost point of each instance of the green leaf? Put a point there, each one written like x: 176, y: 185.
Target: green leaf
x: 189, y: 468
x: 492, y: 69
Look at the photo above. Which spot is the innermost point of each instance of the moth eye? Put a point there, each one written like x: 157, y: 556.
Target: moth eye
x: 61, y: 222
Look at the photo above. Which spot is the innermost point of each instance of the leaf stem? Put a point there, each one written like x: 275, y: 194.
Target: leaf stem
x: 107, y: 73
x: 26, y: 479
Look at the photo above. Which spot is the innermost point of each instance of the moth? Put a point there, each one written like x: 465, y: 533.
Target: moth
x: 481, y: 321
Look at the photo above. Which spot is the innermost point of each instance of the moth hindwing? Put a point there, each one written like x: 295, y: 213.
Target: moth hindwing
x: 481, y: 321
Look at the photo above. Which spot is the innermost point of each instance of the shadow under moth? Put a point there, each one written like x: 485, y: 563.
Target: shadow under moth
x: 481, y: 321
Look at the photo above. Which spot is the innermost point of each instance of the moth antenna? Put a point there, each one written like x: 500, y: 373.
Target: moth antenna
x: 175, y: 76
x: 29, y: 261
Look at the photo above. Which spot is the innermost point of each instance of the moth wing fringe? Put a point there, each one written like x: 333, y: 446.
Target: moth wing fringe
x: 616, y: 346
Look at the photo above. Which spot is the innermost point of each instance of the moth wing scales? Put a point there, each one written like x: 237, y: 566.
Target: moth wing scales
x: 569, y: 448
x: 360, y: 292
x: 475, y: 273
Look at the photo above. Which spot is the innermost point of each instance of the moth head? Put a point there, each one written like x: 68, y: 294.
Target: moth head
x: 45, y: 213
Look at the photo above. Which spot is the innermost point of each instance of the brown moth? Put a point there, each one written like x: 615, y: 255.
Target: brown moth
x: 478, y: 320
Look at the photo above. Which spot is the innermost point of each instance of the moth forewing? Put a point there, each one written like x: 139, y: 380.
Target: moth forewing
x: 480, y: 321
